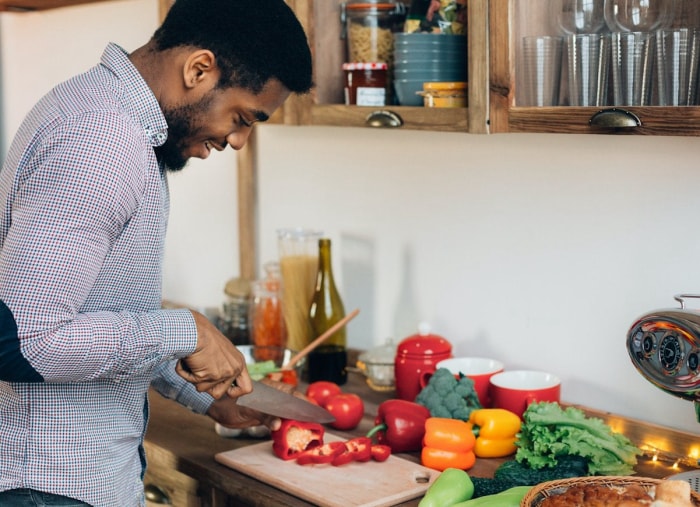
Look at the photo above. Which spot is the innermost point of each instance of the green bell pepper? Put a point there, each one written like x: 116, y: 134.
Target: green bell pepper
x: 451, y: 487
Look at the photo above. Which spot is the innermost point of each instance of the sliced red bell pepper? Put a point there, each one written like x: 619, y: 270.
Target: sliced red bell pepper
x: 322, y: 454
x: 356, y: 449
x: 400, y: 424
x: 294, y: 437
x: 380, y: 452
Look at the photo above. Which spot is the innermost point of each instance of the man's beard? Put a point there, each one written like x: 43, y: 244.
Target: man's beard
x: 182, y: 123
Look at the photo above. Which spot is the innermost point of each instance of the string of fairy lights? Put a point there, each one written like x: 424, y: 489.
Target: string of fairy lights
x: 673, y: 460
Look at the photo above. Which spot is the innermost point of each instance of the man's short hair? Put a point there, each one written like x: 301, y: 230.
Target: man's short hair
x: 252, y: 40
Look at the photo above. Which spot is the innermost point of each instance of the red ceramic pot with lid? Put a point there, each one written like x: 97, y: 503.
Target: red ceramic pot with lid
x: 417, y: 354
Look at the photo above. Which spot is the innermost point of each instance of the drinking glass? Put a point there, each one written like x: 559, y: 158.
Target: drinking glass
x: 541, y: 70
x: 632, y: 57
x: 639, y: 15
x: 579, y: 16
x: 588, y: 61
x: 677, y: 66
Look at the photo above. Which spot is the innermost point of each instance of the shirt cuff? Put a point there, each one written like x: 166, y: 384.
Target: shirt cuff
x: 181, y: 332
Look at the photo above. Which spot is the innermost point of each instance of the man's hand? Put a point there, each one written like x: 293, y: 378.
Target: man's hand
x: 226, y: 412
x: 216, y: 366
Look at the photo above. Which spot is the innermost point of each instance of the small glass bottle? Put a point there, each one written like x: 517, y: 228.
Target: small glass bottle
x: 329, y: 360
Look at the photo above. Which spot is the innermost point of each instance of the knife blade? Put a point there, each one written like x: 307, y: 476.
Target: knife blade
x: 272, y: 401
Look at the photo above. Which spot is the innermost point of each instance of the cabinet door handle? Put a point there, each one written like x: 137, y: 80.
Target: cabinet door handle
x: 615, y: 118
x: 154, y: 494
x: 383, y: 119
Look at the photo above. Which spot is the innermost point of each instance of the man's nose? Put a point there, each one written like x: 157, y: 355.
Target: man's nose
x: 238, y: 139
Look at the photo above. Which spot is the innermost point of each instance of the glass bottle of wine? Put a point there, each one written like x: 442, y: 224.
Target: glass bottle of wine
x: 329, y: 360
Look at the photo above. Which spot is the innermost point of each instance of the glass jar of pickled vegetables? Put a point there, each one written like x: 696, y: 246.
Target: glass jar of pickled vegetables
x: 266, y: 318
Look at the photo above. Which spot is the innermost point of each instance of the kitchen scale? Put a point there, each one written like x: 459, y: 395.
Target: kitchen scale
x: 664, y: 346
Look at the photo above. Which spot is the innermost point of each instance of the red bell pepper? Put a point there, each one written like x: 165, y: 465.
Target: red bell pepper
x: 321, y: 454
x: 380, y: 452
x: 400, y: 424
x: 294, y: 437
x: 356, y: 449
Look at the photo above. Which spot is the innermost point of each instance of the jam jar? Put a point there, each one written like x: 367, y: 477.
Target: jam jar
x: 365, y: 84
x: 414, y: 356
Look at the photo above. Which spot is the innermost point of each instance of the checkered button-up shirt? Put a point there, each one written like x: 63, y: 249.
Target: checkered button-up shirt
x: 83, y: 215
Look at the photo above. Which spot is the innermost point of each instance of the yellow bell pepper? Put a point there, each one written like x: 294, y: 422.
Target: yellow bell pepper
x: 496, y: 431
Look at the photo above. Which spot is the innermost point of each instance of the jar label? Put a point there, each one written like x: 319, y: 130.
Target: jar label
x: 371, y: 96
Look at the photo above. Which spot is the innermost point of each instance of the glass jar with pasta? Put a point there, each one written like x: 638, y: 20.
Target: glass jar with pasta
x: 369, y: 27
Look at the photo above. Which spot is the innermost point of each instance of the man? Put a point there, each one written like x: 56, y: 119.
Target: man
x: 83, y: 214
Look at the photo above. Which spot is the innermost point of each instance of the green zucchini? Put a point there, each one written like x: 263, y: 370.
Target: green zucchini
x: 513, y: 473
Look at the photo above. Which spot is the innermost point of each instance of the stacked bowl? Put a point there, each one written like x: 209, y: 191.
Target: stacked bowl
x: 426, y: 57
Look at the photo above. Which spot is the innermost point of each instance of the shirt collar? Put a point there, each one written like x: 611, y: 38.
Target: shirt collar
x: 140, y: 96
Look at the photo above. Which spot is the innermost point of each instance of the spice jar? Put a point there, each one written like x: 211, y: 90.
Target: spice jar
x: 365, y: 84
x: 444, y: 94
x: 234, y: 318
x: 369, y: 26
x: 414, y: 356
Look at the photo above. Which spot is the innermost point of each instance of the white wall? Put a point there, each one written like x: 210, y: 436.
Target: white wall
x: 38, y: 49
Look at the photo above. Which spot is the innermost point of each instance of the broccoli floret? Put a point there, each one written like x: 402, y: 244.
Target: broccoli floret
x: 445, y: 396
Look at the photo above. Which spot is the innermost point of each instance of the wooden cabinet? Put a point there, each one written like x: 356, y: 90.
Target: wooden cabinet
x: 321, y: 20
x: 494, y: 30
x: 33, y: 5
x: 165, y: 485
x: 508, y: 21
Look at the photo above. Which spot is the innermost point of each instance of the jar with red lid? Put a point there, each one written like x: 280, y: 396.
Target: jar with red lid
x: 414, y: 356
x: 365, y: 84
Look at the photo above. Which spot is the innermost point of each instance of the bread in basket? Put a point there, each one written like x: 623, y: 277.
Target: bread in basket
x: 536, y: 496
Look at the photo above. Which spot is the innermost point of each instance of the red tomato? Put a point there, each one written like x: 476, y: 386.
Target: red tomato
x: 321, y: 390
x: 347, y: 408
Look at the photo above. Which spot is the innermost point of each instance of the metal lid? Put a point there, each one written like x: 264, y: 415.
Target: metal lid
x: 444, y: 86
x: 237, y: 288
x: 369, y: 4
x: 365, y: 66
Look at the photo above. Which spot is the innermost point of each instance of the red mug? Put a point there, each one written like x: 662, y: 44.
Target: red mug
x: 515, y: 390
x: 479, y: 369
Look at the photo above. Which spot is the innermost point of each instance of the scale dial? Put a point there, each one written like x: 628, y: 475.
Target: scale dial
x: 670, y: 353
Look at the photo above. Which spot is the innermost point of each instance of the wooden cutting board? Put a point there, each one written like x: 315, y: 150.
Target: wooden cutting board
x: 369, y: 484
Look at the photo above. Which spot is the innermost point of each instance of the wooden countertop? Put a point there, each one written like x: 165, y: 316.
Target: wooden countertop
x: 188, y: 443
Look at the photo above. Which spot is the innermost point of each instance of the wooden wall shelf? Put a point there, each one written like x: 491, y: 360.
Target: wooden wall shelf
x: 40, y: 5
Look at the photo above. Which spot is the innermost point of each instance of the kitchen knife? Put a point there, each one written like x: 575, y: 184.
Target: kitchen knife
x: 272, y: 401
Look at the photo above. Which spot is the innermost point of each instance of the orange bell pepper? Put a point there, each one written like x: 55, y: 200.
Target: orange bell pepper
x: 448, y: 443
x: 497, y: 431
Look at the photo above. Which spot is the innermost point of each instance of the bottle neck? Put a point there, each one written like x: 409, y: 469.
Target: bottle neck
x: 324, y: 260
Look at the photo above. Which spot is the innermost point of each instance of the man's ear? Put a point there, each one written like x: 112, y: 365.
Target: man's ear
x: 200, y: 68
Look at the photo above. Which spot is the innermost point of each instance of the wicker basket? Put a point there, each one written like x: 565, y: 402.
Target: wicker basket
x: 538, y: 493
